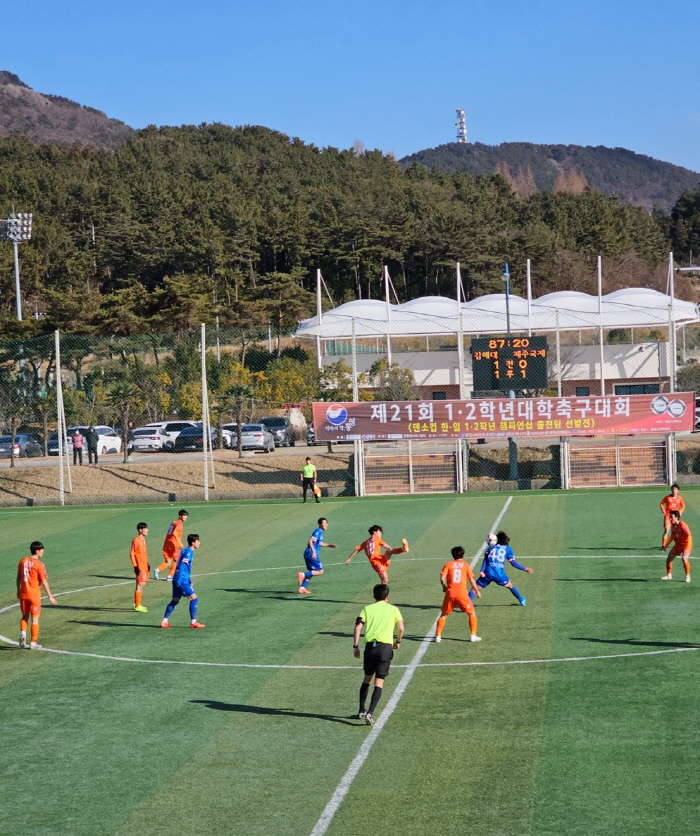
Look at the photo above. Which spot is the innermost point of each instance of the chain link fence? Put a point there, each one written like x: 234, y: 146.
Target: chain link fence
x: 148, y: 399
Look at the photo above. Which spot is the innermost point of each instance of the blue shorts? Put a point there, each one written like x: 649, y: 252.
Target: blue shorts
x: 313, y: 562
x: 180, y: 589
x: 493, y: 577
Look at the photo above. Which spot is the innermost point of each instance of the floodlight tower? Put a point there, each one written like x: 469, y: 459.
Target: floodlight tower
x: 461, y: 124
x: 18, y: 227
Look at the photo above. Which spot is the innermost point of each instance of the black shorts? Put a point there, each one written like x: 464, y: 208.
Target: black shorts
x: 377, y: 659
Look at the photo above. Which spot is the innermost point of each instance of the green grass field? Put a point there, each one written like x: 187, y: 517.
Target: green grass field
x: 245, y: 727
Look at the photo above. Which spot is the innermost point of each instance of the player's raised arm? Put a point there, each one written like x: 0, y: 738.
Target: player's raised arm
x: 514, y: 563
x: 357, y: 549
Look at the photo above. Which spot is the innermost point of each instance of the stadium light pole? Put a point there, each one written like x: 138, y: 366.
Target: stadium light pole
x: 512, y: 444
x: 18, y: 227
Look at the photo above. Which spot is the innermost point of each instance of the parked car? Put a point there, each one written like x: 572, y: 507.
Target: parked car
x: 108, y: 440
x: 281, y: 429
x: 253, y: 437
x: 25, y: 445
x: 172, y: 429
x: 192, y: 438
x: 149, y: 439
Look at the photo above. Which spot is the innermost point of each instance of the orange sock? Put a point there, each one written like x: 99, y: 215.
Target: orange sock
x: 163, y: 566
x: 440, y: 625
x: 35, y: 632
x: 669, y: 564
x: 23, y: 622
x: 472, y: 624
x: 137, y: 599
x: 686, y: 566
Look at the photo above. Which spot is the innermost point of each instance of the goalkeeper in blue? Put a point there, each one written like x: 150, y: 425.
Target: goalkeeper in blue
x: 182, y: 583
x: 312, y: 556
x: 493, y: 567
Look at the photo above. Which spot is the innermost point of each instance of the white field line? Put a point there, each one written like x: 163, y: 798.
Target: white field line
x: 346, y: 781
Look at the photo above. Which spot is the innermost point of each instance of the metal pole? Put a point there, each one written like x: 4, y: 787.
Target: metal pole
x: 59, y: 425
x: 218, y: 343
x: 319, y: 317
x: 388, y: 313
x: 600, y: 325
x: 460, y: 335
x: 672, y: 346
x: 558, y: 357
x: 512, y: 443
x: 529, y: 300
x: 355, y: 394
x: 203, y: 346
x: 15, y: 247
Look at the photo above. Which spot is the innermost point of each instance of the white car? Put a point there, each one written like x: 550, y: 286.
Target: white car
x: 108, y: 440
x: 172, y: 430
x: 149, y: 439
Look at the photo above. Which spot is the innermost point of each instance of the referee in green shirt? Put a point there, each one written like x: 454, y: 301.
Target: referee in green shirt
x: 379, y: 620
x: 308, y: 479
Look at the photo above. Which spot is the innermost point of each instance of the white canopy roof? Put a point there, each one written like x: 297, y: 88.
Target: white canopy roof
x: 568, y: 310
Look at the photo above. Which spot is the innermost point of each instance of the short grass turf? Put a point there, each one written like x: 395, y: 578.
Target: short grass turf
x: 576, y: 714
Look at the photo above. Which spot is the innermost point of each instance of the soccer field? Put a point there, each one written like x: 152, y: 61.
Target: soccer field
x: 576, y: 714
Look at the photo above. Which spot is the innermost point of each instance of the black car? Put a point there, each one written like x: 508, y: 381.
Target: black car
x: 192, y: 438
x: 281, y: 429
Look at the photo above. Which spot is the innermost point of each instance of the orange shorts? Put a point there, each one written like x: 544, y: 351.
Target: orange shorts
x: 449, y: 604
x: 667, y: 521
x: 381, y: 565
x: 142, y: 576
x: 170, y: 552
x: 30, y: 606
x: 676, y: 551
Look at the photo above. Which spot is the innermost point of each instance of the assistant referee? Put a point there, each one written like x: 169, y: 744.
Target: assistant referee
x: 379, y: 620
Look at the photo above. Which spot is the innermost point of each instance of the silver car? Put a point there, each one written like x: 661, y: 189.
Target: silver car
x: 149, y: 439
x: 253, y: 437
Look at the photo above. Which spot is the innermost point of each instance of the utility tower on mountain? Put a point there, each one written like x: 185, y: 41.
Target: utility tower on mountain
x: 461, y: 124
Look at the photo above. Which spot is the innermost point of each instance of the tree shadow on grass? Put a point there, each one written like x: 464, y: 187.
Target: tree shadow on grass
x: 114, y: 577
x: 90, y: 609
x: 116, y: 624
x: 279, y: 712
x: 633, y: 642
x: 602, y: 580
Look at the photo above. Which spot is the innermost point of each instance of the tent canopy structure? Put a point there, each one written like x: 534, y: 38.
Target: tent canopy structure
x: 565, y: 310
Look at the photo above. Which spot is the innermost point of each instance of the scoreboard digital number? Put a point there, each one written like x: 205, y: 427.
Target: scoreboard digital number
x: 502, y: 363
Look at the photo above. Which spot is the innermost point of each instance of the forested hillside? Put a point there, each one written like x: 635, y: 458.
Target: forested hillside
x: 179, y: 225
x: 41, y: 117
x: 634, y: 178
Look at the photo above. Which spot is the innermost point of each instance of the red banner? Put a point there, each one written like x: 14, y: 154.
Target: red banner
x: 504, y: 417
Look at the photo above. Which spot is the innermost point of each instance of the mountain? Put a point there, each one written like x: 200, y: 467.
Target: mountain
x: 634, y: 178
x: 56, y: 120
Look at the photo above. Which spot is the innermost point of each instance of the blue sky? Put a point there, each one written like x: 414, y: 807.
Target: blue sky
x: 390, y: 74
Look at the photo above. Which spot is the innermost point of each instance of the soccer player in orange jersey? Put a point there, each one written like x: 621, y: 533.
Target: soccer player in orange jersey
x: 673, y: 502
x: 139, y: 560
x: 453, y: 577
x: 172, y: 546
x: 378, y: 560
x: 31, y: 576
x: 683, y: 545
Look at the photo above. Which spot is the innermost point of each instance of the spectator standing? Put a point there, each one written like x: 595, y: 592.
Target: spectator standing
x: 91, y: 438
x: 129, y: 440
x: 78, y: 447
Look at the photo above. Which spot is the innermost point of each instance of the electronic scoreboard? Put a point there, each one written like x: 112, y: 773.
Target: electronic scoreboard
x: 503, y: 363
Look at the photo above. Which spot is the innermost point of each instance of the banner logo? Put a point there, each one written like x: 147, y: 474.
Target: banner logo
x: 336, y: 414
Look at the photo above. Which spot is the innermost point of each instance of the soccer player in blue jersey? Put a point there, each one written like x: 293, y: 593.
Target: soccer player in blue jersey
x: 493, y: 567
x: 182, y: 583
x: 312, y: 556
